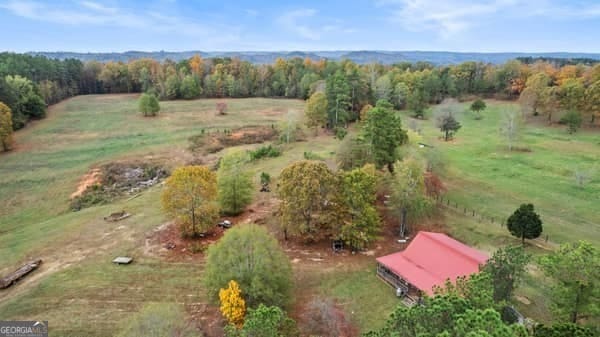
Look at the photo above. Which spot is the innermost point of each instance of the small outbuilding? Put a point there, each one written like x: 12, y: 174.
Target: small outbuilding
x: 428, y: 261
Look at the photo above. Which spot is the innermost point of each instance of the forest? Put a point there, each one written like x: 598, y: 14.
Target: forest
x: 544, y: 86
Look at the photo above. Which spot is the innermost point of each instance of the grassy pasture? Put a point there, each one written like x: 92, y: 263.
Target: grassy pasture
x: 53, y: 154
x: 483, y: 175
x: 82, y: 293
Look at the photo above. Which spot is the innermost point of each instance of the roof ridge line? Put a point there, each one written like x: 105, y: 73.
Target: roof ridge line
x: 427, y: 234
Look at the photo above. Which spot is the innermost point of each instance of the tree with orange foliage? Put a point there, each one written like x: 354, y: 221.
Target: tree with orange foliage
x: 190, y: 197
x: 233, y: 306
x: 197, y: 65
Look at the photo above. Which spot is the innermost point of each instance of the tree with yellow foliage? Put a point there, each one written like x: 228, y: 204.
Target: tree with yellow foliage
x: 233, y: 306
x: 190, y: 197
x: 6, y: 128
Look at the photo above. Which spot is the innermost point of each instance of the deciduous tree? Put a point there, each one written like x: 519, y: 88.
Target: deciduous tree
x: 234, y: 183
x: 26, y: 102
x: 266, y: 321
x: 408, y: 198
x: 511, y: 127
x: 360, y: 221
x: 316, y: 111
x: 309, y: 200
x: 6, y: 128
x: 506, y: 267
x: 233, y: 306
x: 252, y: 257
x: 532, y: 97
x: 575, y: 267
x: 573, y: 121
x: 190, y: 197
x: 190, y: 87
x: 525, y: 223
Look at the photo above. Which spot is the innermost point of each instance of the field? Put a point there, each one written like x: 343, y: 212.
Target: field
x: 81, y: 293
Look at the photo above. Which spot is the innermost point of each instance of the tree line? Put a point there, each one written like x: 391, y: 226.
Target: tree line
x: 29, y: 83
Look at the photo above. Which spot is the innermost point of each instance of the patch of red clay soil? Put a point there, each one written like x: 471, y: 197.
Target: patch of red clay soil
x: 89, y: 179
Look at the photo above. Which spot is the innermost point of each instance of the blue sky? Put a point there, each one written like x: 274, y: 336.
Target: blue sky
x: 177, y: 25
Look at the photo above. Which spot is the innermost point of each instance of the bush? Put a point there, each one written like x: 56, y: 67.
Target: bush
x: 264, y: 151
x: 573, y: 121
x: 309, y: 155
x: 148, y: 105
x: 268, y: 279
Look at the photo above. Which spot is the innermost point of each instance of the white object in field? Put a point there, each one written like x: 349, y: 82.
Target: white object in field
x: 123, y: 260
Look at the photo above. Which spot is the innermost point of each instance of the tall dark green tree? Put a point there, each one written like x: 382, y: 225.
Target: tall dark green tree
x: 383, y: 129
x: 339, y: 100
x: 477, y: 107
x: 525, y: 223
x: 506, y: 267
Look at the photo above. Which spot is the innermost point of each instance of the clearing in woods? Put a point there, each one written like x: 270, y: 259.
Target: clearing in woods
x: 82, y: 292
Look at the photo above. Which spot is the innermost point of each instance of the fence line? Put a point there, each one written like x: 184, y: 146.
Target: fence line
x: 480, y: 217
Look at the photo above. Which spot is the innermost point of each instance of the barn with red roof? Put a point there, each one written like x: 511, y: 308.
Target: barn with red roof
x: 428, y: 261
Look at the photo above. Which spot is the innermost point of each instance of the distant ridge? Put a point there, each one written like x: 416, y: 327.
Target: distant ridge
x: 364, y: 56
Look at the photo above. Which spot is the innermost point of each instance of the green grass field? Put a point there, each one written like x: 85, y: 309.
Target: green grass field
x: 82, y: 293
x: 483, y: 175
x: 53, y: 154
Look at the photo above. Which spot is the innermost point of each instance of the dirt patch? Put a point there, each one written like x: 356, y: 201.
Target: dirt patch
x: 523, y: 299
x: 88, y: 180
x: 207, y: 143
x: 108, y: 182
x: 167, y: 243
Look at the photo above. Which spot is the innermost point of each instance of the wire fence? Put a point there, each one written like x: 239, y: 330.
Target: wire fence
x: 455, y: 206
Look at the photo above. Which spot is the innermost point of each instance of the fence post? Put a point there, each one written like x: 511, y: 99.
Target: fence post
x: 448, y: 202
x: 473, y: 212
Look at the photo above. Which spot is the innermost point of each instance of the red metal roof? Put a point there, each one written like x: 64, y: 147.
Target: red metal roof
x: 432, y: 258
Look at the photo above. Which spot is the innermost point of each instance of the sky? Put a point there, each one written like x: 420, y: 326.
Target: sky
x: 178, y: 25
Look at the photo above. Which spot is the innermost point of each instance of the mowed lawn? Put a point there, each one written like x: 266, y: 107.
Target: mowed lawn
x: 52, y: 155
x: 483, y: 175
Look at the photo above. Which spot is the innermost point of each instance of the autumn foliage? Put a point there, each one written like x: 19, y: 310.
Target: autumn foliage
x: 190, y: 197
x: 233, y: 306
x: 221, y: 108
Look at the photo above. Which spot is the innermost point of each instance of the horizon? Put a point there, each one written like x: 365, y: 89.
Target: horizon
x: 289, y: 51
x: 458, y: 26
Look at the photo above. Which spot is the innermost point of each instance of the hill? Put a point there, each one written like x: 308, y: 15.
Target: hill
x: 364, y: 56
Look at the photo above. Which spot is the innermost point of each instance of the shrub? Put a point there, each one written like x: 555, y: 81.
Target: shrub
x: 264, y: 151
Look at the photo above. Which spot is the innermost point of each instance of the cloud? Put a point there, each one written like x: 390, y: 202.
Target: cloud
x: 447, y: 18
x: 296, y: 21
x: 451, y: 17
x: 94, y: 13
x: 291, y: 21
